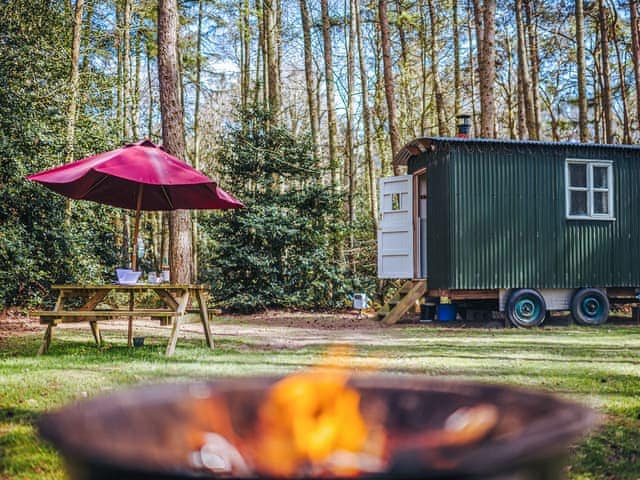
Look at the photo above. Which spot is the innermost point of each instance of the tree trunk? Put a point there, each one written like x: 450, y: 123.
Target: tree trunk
x: 456, y: 59
x: 635, y: 52
x: 472, y: 72
x: 405, y: 103
x: 523, y: 74
x: 135, y: 101
x: 314, y: 118
x: 74, y: 78
x: 443, y: 130
x: 350, y: 142
x: 271, y: 61
x: 486, y: 32
x: 535, y: 66
x: 597, y: 92
x: 626, y: 127
x: 424, y: 48
x: 196, y: 137
x: 245, y: 23
x: 151, y: 94
x: 126, y: 70
x: 389, y: 88
x: 583, y: 113
x: 259, y: 87
x: 173, y: 133
x: 366, y: 124
x: 606, y: 77
x: 329, y: 81
x: 509, y: 90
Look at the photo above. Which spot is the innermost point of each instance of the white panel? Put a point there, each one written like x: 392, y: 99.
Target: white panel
x: 555, y: 298
x: 395, y: 231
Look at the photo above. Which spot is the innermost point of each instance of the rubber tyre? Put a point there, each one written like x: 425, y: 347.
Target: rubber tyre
x: 590, y: 307
x: 526, y: 308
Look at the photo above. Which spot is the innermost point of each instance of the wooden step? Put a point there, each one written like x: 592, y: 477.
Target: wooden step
x: 416, y: 290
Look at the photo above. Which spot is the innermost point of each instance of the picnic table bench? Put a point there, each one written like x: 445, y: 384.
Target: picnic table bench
x: 175, y: 311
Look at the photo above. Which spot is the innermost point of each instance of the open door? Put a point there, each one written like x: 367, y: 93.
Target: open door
x: 395, y: 231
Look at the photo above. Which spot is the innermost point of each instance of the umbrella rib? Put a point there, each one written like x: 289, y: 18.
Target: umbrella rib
x: 166, y: 196
x: 95, y: 185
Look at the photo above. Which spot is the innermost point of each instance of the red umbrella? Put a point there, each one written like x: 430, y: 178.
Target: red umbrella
x: 138, y: 176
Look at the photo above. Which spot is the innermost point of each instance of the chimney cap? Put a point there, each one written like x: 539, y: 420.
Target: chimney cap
x: 464, y: 125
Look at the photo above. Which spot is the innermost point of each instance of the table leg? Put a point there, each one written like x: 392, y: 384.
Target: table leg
x: 46, y: 341
x: 90, y: 304
x: 48, y: 333
x: 204, y: 317
x: 130, y: 327
x: 96, y: 332
x: 177, y: 321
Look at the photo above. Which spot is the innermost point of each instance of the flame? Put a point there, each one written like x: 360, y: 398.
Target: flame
x: 311, y: 422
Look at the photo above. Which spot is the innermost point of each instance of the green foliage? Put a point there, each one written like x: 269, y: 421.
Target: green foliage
x: 36, y: 249
x: 281, y: 251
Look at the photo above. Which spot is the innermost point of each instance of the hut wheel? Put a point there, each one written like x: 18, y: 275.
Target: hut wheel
x: 526, y: 308
x: 590, y: 306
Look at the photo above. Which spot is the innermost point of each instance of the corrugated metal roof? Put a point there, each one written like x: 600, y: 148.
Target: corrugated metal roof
x: 420, y: 145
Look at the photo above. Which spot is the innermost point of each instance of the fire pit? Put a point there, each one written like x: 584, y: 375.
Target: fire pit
x: 406, y: 427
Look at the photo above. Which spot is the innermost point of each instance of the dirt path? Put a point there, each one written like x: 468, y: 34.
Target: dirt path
x: 273, y: 329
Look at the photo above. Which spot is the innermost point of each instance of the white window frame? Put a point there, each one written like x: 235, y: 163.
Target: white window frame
x: 590, y: 189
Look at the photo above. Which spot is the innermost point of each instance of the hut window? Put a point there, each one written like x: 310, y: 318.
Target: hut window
x: 589, y: 189
x: 395, y: 201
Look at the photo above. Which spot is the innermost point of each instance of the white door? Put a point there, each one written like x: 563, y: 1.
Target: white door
x: 395, y: 232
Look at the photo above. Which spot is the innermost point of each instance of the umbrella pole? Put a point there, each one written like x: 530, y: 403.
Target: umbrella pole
x: 134, y: 259
x: 136, y: 229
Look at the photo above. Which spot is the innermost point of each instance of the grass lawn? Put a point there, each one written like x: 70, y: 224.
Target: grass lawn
x: 596, y: 366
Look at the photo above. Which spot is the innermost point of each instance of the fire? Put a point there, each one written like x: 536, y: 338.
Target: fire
x: 314, y: 424
x: 310, y: 423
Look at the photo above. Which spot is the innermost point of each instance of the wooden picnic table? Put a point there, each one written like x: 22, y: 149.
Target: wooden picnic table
x: 175, y: 299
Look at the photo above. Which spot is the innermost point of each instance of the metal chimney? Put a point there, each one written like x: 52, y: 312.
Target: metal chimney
x: 464, y: 125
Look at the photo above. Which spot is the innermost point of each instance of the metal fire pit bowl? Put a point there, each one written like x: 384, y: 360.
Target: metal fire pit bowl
x: 151, y: 432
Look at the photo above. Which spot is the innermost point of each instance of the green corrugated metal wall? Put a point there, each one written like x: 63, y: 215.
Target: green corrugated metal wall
x: 496, y: 217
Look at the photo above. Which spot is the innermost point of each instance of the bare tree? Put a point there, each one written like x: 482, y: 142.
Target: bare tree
x: 389, y: 87
x: 366, y: 123
x: 456, y: 58
x: 272, y: 61
x: 603, y: 20
x: 534, y: 63
x: 350, y: 164
x: 443, y: 130
x: 485, y: 19
x: 626, y: 127
x: 331, y: 113
x: 74, y: 77
x: 314, y: 118
x: 245, y: 53
x: 173, y: 133
x: 635, y: 52
x: 583, y: 118
x: 524, y: 77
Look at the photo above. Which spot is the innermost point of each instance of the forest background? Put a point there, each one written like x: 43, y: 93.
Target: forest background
x: 297, y: 107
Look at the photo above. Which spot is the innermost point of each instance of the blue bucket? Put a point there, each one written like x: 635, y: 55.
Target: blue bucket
x: 446, y: 312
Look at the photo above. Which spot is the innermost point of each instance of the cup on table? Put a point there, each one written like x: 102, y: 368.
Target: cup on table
x: 152, y: 277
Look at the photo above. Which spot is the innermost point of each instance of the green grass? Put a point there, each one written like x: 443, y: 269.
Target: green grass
x: 596, y: 366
